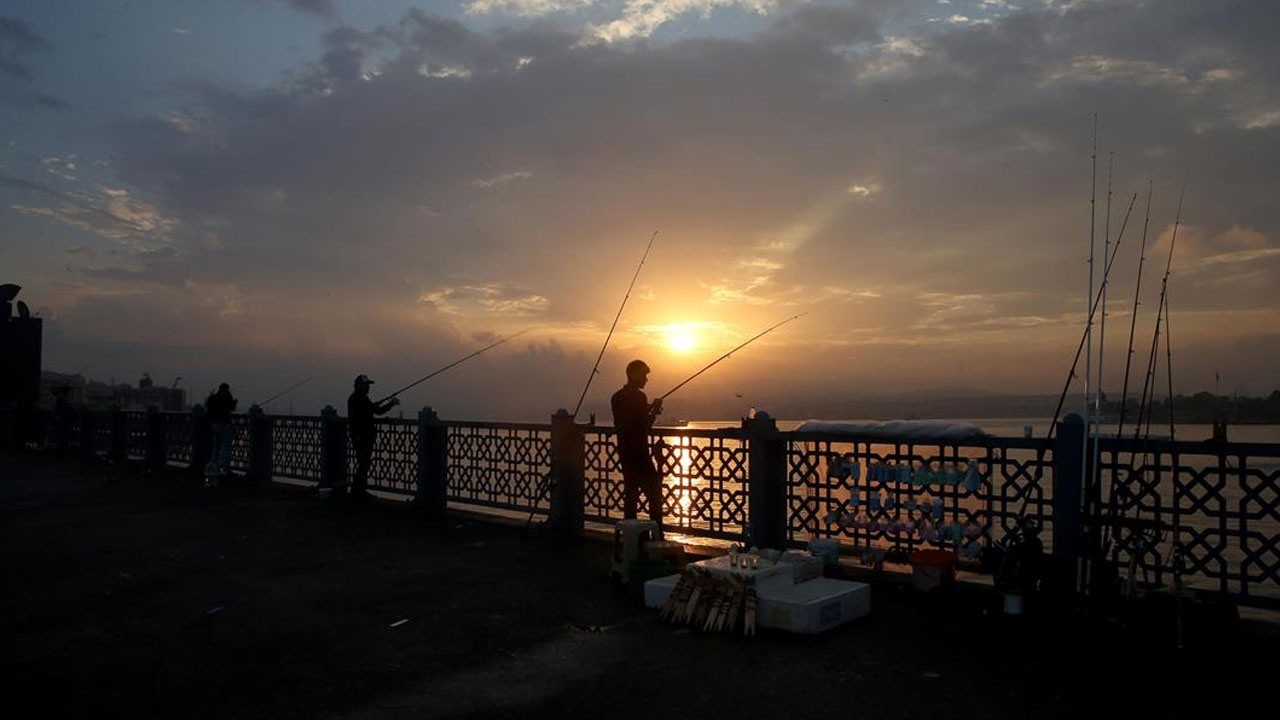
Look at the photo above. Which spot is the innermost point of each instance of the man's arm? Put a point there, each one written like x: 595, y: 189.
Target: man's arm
x: 384, y: 407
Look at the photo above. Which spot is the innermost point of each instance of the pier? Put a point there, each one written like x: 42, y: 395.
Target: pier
x: 138, y: 592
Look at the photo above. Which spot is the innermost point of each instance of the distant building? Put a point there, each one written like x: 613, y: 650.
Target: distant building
x: 94, y: 395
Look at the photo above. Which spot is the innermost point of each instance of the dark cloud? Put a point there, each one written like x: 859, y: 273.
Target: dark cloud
x: 344, y: 53
x: 17, y: 41
x: 49, y: 101
x: 322, y: 8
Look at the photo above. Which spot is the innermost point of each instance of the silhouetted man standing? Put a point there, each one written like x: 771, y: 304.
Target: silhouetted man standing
x: 360, y: 412
x: 633, y: 416
x: 218, y: 409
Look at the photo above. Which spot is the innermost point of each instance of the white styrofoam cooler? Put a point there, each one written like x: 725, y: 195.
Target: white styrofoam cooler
x: 811, y: 606
x: 657, y: 590
x: 814, y: 605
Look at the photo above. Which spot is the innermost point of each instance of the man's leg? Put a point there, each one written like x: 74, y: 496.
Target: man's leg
x: 364, y: 455
x: 653, y: 493
x: 630, y: 493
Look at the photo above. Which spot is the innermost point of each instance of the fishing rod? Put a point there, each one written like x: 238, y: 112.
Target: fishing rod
x: 1175, y: 550
x: 726, y: 355
x: 1168, y: 364
x: 1093, y: 489
x: 1133, y: 319
x: 548, y: 482
x: 1128, y: 361
x: 596, y: 368
x: 1148, y: 384
x: 1093, y: 225
x: 1102, y: 322
x: 459, y: 361
x: 282, y: 392
x: 1062, y: 398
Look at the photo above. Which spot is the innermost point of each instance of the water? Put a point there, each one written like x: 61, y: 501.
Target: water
x: 1016, y: 427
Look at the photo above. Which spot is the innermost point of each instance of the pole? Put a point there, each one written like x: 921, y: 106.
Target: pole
x: 596, y: 368
x: 726, y: 355
x: 459, y: 361
x: 1148, y: 385
x: 1062, y: 398
x: 1133, y: 318
x: 282, y: 392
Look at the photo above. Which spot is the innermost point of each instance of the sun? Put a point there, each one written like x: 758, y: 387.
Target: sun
x: 681, y: 339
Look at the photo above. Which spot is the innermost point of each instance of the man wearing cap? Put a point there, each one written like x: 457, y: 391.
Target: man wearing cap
x: 218, y: 408
x: 360, y: 412
x: 633, y: 417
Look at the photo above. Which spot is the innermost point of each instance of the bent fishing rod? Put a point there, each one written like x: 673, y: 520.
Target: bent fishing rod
x: 1148, y: 385
x: 726, y: 355
x: 1097, y: 299
x: 282, y: 392
x: 1133, y: 318
x: 455, y: 363
x: 596, y: 368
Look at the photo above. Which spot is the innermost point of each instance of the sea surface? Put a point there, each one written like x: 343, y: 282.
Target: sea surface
x: 1039, y: 427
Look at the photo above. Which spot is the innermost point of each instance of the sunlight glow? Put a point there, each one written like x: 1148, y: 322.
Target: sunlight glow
x: 681, y: 338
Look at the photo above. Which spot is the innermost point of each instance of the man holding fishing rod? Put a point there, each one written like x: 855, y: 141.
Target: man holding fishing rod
x: 633, y: 416
x: 360, y: 412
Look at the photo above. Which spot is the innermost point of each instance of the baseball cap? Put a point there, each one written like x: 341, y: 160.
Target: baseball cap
x: 363, y: 379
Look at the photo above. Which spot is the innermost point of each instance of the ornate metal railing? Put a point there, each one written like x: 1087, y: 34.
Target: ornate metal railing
x: 394, y: 465
x: 500, y: 465
x: 101, y: 430
x: 240, y: 443
x: 136, y: 432
x: 295, y: 447
x: 704, y: 480
x: 177, y: 438
x: 1216, y: 503
x: 896, y: 496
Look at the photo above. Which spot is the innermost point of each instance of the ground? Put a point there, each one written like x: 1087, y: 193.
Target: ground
x: 138, y: 594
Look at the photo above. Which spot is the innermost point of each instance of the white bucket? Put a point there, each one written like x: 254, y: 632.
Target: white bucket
x: 1012, y: 604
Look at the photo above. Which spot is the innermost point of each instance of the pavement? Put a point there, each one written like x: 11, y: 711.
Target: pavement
x: 144, y: 594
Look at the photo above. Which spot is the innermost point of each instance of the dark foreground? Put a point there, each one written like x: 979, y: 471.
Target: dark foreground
x: 126, y: 594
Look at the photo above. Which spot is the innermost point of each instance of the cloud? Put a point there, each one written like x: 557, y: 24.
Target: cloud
x: 640, y: 18
x: 501, y: 180
x: 17, y: 41
x: 110, y: 213
x: 525, y: 8
x: 916, y: 185
x: 320, y: 8
x: 496, y: 299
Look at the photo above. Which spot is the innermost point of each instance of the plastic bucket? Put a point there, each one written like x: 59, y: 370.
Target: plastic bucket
x: 931, y: 568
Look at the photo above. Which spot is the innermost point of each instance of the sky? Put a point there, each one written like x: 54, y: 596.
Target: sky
x: 264, y: 191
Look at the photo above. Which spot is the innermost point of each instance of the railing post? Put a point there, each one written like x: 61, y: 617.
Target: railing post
x: 1068, y: 482
x: 259, y: 446
x: 433, y: 463
x: 766, y: 482
x: 333, y: 450
x: 568, y: 475
x: 119, y: 446
x: 201, y: 445
x: 155, y: 437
